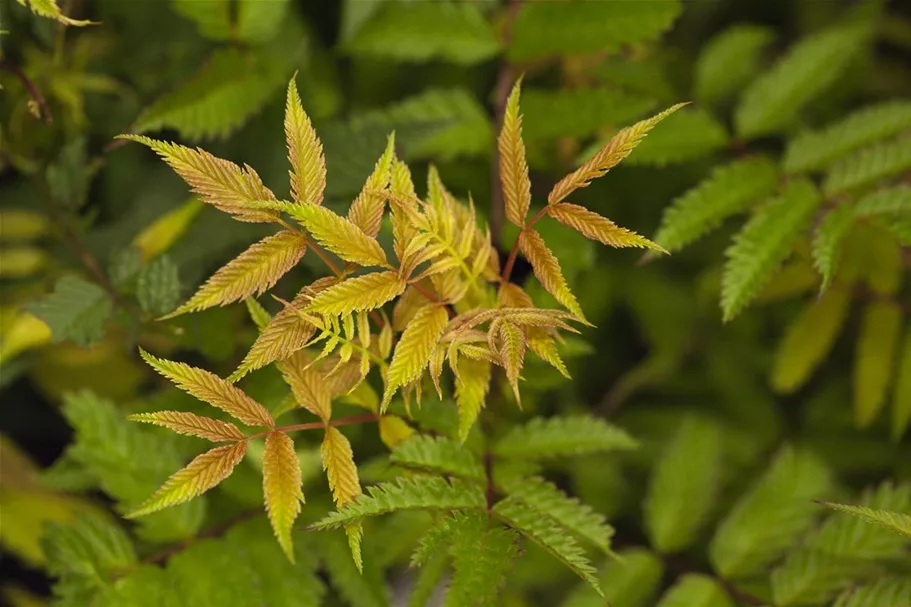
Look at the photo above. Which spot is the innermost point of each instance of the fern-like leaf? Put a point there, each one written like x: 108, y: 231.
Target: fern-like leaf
x: 816, y: 150
x: 828, y: 241
x: 685, y: 136
x: 728, y: 190
x: 338, y: 462
x: 308, y: 384
x: 512, y: 354
x: 877, y: 349
x: 609, y: 156
x: 218, y: 182
x: 412, y: 353
x: 420, y: 493
x: 869, y: 166
x: 773, y: 100
x: 482, y: 555
x: 190, y: 424
x: 764, y: 243
x: 213, y: 390
x: 282, y: 487
x: 885, y: 201
x: 305, y: 152
x: 438, y: 455
x: 594, y: 226
x: 544, y: 531
x: 542, y: 438
x: 251, y: 273
x: 547, y: 270
x: 200, y: 475
x: 513, y: 166
x: 358, y: 294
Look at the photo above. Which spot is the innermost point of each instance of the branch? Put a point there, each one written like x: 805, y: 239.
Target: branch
x: 44, y: 111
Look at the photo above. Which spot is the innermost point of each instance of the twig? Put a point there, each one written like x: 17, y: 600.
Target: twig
x: 344, y: 421
x: 44, y: 111
x: 511, y: 260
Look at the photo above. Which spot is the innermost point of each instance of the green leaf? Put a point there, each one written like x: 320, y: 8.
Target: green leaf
x: 229, y: 89
x: 901, y: 406
x: 695, y: 590
x: 814, y: 150
x: 730, y: 189
x: 546, y: 28
x: 628, y: 581
x: 158, y: 287
x: 808, y: 340
x: 828, y: 240
x: 551, y: 114
x: 562, y: 436
x: 581, y: 520
x: 116, y: 453
x: 764, y: 243
x: 428, y: 581
x: 439, y: 456
x: 544, y: 531
x: 770, y: 517
x: 869, y: 166
x: 885, y: 201
x: 810, y: 67
x: 482, y: 555
x: 84, y: 555
x: 684, y: 485
x: 729, y: 60
x: 420, y: 493
x: 883, y: 593
x: 685, y: 135
x: 420, y: 31
x: 259, y: 21
x: 875, y: 356
x: 897, y: 522
x: 76, y: 310
x: 367, y: 589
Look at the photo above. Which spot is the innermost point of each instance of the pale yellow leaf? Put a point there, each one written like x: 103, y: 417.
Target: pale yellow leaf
x: 471, y: 385
x: 305, y: 152
x: 308, y: 384
x: 358, y: 294
x: 512, y: 353
x: 545, y: 347
x: 341, y: 236
x: 412, y: 353
x: 547, y: 270
x: 594, y: 226
x: 253, y: 272
x: 282, y: 487
x: 190, y: 424
x: 200, y: 475
x: 394, y: 430
x: 513, y: 166
x: 338, y: 462
x: 402, y: 188
x: 366, y: 211
x: 212, y: 389
x: 512, y: 295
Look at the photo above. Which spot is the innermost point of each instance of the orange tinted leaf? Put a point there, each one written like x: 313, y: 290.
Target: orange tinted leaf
x: 190, y: 424
x: 282, y: 487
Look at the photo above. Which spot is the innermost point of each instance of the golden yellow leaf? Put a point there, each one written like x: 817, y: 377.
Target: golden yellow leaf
x: 412, y: 353
x: 512, y: 353
x: 49, y: 9
x: 366, y: 211
x: 190, y: 424
x: 402, y: 188
x: 877, y: 349
x: 594, y: 226
x: 305, y: 152
x: 308, y: 384
x: 358, y: 294
x: 253, y: 272
x: 406, y: 307
x: 547, y: 270
x: 166, y: 230
x: 545, y: 347
x: 218, y: 182
x: 338, y: 462
x: 512, y: 295
x: 341, y: 236
x: 200, y: 475
x: 471, y: 385
x: 212, y: 389
x: 282, y: 487
x: 513, y: 166
x: 394, y: 430
x: 609, y: 156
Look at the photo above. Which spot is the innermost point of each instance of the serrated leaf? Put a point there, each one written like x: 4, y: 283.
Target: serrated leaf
x: 730, y: 189
x: 439, y: 456
x: 76, y: 310
x: 562, y: 436
x: 883, y: 593
x: 394, y: 431
x: 814, y: 150
x: 341, y: 236
x: 770, y: 517
x: 544, y: 28
x: 419, y: 493
x: 512, y: 354
x: 218, y: 182
x: 258, y: 314
x: 695, y: 590
x: 191, y: 424
x: 877, y: 349
x: 684, y: 485
x: 901, y: 404
x: 164, y: 232
x: 200, y: 475
x: 471, y: 386
x: 223, y: 95
x: 308, y: 384
x: 547, y: 270
x: 338, y: 462
x: 513, y: 166
x: 543, y: 530
x: 305, y: 152
x: 729, y: 60
x: 482, y: 555
x: 595, y: 227
x: 414, y: 349
x: 808, y: 340
x: 358, y: 294
x: 828, y: 241
x: 282, y: 487
x: 366, y: 211
x: 578, y: 518
x: 764, y: 243
x: 683, y: 137
x: 896, y: 522
x: 610, y: 155
x: 212, y: 389
x: 810, y: 67
x: 49, y: 9
x: 422, y: 31
x: 885, y: 201
x: 158, y: 286
x: 869, y: 166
